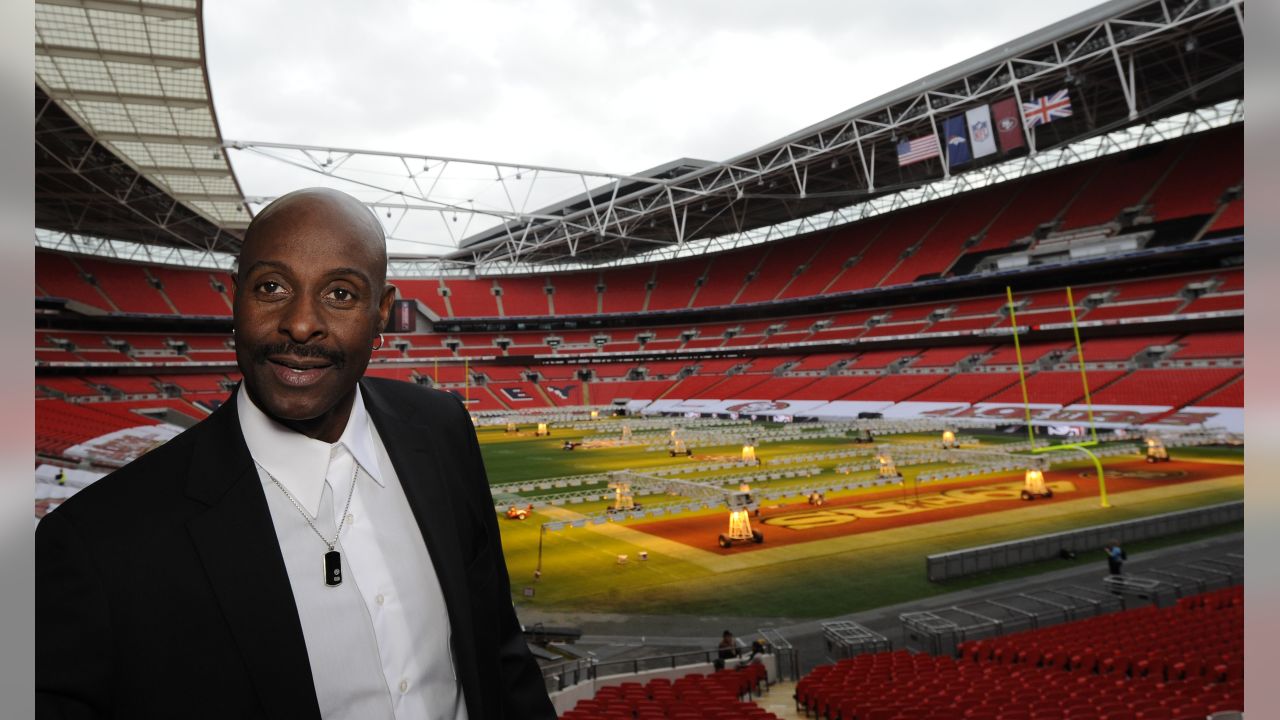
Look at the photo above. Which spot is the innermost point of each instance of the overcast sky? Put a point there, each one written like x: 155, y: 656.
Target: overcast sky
x: 604, y: 85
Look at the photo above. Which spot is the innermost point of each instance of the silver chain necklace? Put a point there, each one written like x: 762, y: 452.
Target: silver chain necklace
x: 332, y: 558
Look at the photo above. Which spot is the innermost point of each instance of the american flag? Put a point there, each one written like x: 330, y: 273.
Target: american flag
x: 921, y: 148
x: 1047, y: 109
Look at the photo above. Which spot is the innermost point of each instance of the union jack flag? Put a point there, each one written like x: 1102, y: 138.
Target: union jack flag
x: 1047, y: 109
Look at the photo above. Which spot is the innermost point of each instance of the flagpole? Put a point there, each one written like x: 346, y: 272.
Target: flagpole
x: 862, y: 156
x: 871, y: 179
x: 944, y: 156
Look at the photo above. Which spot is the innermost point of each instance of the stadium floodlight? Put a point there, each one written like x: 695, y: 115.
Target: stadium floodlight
x: 1156, y: 450
x: 1033, y: 485
x: 623, y: 500
x: 888, y: 469
x: 740, y: 506
x: 1082, y: 446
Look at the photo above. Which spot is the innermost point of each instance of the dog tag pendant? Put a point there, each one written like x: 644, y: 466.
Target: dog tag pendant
x: 333, y: 568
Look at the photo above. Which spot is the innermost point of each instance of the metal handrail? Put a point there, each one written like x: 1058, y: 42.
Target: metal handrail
x: 567, y: 674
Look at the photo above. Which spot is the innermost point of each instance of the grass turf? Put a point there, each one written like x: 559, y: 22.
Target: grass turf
x: 580, y: 572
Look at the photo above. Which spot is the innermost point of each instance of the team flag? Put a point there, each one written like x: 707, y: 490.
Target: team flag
x: 1008, y: 124
x: 1047, y: 109
x: 921, y: 148
x: 957, y: 142
x: 980, y: 131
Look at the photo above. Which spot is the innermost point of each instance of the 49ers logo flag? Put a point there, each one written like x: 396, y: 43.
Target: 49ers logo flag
x: 1008, y: 122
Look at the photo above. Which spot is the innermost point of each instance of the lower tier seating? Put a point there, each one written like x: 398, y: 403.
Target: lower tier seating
x: 1176, y: 663
x: 717, y: 696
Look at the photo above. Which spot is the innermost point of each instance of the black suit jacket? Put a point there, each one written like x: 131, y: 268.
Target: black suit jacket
x: 161, y: 590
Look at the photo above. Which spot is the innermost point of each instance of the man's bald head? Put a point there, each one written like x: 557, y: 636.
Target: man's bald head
x: 311, y: 299
x: 338, y: 210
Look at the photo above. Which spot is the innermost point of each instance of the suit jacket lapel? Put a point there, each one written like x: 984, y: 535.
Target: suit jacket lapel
x: 412, y: 445
x: 237, y: 544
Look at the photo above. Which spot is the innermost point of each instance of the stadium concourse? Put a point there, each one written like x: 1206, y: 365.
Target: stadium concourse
x: 1022, y: 252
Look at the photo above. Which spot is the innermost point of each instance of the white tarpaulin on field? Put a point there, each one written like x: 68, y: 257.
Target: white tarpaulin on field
x: 121, y: 447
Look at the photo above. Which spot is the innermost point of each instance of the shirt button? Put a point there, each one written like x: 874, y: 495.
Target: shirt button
x: 404, y: 686
x: 350, y: 518
x: 380, y: 599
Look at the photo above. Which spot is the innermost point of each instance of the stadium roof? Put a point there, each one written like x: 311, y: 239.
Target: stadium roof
x: 1138, y: 70
x: 127, y: 139
x: 1124, y: 62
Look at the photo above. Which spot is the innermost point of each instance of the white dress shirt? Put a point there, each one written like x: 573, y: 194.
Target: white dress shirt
x: 378, y: 643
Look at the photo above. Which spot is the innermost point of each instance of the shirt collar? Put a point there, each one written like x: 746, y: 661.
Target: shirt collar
x: 301, y: 463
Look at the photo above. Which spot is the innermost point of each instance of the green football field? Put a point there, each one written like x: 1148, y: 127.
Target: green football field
x: 581, y: 572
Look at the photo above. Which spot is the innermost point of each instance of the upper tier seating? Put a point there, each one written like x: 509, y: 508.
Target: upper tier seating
x: 780, y: 265
x: 726, y: 277
x: 472, y: 298
x: 625, y: 289
x: 961, y: 219
x: 521, y: 296
x: 128, y: 286
x: 874, y: 262
x: 1122, y: 183
x: 192, y: 292
x: 574, y: 294
x: 1204, y: 171
x: 426, y: 292
x: 1035, y: 201
x: 674, y: 284
x: 1231, y: 217
x: 839, y: 247
x: 59, y: 276
x: 1180, y: 178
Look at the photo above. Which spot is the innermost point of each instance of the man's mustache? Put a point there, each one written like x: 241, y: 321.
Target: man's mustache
x: 336, y: 357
